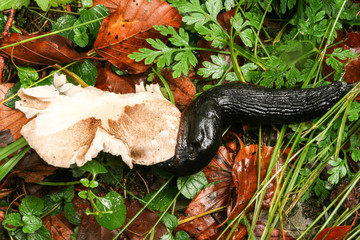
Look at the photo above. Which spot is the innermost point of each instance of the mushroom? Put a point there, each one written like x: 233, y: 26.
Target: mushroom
x: 73, y: 124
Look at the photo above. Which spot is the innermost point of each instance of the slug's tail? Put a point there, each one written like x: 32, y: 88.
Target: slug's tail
x: 280, y: 106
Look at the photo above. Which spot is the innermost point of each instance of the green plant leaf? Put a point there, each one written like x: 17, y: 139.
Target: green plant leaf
x: 11, y: 92
x: 81, y: 37
x: 31, y: 223
x: 27, y: 76
x: 63, y: 22
x: 31, y: 205
x: 43, y: 4
x: 170, y: 221
x: 85, y: 182
x: 83, y: 194
x: 113, y: 203
x: 162, y: 200
x: 94, y: 13
x: 14, y: 4
x: 87, y: 3
x: 71, y: 214
x: 94, y: 167
x: 94, y: 184
x: 12, y: 221
x: 181, y: 235
x: 354, y: 111
x: 41, y: 234
x: 215, y: 69
x: 195, y: 184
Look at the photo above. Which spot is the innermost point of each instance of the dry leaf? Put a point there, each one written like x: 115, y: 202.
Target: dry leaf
x: 58, y: 226
x: 245, y: 177
x: 212, y: 197
x: 112, y: 5
x: 107, y: 80
x: 11, y: 120
x: 33, y: 169
x: 125, y: 31
x: 352, y: 68
x: 335, y: 233
x: 143, y: 223
x: 53, y: 49
x: 90, y: 229
x: 275, y: 234
x: 182, y: 88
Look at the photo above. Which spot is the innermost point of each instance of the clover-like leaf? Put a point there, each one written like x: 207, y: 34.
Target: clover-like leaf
x: 12, y: 221
x: 31, y: 205
x: 114, y: 204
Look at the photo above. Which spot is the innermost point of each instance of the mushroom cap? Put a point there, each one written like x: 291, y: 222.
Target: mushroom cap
x: 73, y: 124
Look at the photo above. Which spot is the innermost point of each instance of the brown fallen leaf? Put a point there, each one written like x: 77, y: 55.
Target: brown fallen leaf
x: 53, y: 49
x: 90, y: 229
x: 11, y: 120
x: 112, y: 5
x: 352, y: 68
x: 275, y: 234
x: 212, y: 197
x: 125, y: 31
x: 352, y: 198
x: 58, y: 226
x: 182, y: 88
x: 107, y: 80
x: 33, y: 169
x: 245, y: 177
x: 335, y: 233
x: 143, y: 223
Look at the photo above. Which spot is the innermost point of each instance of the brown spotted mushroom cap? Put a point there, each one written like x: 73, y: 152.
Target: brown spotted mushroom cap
x: 73, y: 124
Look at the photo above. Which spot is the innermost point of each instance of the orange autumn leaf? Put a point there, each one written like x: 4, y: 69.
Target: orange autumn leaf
x: 58, y: 226
x: 125, y: 31
x: 181, y: 87
x: 212, y: 197
x: 11, y: 120
x: 245, y: 177
x: 53, y: 49
x: 335, y: 233
x: 109, y: 4
x: 108, y: 80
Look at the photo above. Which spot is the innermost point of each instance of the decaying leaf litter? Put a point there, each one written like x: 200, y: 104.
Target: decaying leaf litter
x: 235, y: 192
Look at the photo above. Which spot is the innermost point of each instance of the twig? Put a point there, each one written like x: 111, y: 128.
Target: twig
x: 9, y: 22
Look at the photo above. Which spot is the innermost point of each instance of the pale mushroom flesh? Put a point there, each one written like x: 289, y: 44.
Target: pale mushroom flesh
x: 73, y: 124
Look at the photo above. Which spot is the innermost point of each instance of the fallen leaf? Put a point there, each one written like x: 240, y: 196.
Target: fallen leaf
x: 352, y: 199
x: 58, y: 226
x: 335, y: 233
x: 212, y: 197
x: 107, y: 80
x: 275, y: 234
x: 33, y: 169
x: 112, y: 5
x: 142, y: 223
x: 352, y: 66
x: 89, y: 229
x: 53, y: 49
x: 245, y: 177
x: 125, y: 31
x: 11, y: 120
x: 182, y: 88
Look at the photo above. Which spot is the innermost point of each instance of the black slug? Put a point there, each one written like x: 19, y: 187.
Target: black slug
x: 203, y: 121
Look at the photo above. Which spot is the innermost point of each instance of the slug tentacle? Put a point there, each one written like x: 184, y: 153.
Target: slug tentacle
x: 202, y: 122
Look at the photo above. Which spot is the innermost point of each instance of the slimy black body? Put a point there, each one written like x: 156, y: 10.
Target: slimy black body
x: 203, y: 121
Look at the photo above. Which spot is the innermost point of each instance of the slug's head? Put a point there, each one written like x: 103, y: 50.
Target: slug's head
x: 198, y: 140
